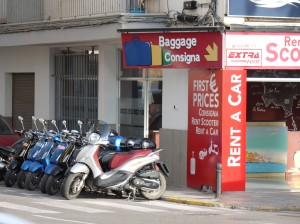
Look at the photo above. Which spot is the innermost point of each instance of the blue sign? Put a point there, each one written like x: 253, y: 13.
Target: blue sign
x: 264, y: 8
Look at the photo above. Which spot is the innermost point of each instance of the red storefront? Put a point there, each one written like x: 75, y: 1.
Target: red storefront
x: 216, y: 99
x: 272, y: 63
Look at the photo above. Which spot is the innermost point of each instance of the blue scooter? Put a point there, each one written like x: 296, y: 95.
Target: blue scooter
x: 41, y: 142
x: 42, y: 159
x: 61, y: 160
x: 58, y: 151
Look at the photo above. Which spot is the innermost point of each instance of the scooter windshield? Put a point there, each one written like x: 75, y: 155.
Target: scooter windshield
x: 102, y: 128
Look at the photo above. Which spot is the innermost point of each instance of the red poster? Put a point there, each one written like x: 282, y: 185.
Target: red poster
x: 216, y: 128
x: 204, y: 127
x: 172, y: 50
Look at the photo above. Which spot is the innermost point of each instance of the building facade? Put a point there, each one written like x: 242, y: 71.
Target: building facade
x: 62, y: 59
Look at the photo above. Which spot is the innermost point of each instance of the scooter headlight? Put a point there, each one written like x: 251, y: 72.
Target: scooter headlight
x: 28, y: 135
x: 94, y: 138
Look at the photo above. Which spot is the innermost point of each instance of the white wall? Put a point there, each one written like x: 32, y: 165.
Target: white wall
x: 39, y: 60
x: 175, y: 93
x: 93, y: 33
x: 108, y: 84
x: 6, y: 95
x: 22, y: 60
x: 221, y: 8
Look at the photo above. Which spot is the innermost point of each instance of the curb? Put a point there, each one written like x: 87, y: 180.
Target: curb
x: 193, y: 202
x: 231, y: 206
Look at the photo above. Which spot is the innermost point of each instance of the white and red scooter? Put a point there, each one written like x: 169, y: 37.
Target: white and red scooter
x: 136, y: 171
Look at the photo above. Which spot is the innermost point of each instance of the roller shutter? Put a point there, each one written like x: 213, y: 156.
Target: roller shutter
x: 23, y: 99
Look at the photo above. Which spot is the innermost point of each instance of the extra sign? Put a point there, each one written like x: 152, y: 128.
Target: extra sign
x: 262, y: 50
x: 172, y: 50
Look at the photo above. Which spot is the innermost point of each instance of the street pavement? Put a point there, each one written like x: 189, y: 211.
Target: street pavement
x: 281, y: 194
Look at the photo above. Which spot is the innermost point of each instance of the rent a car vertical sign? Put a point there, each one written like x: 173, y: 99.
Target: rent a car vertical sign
x: 172, y: 50
x: 217, y: 128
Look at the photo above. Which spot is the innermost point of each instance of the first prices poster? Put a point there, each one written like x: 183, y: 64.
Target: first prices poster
x: 204, y: 127
x: 217, y: 128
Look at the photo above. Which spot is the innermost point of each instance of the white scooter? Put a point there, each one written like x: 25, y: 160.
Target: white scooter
x: 136, y: 171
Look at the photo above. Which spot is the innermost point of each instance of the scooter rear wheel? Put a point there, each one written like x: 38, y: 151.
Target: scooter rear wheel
x: 71, y: 186
x: 10, y: 177
x: 156, y: 194
x: 21, y: 179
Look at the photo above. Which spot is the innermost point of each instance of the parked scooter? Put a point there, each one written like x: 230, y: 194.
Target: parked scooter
x: 7, y: 152
x: 131, y: 172
x: 62, y: 159
x: 42, y: 159
x: 20, y: 156
x: 63, y: 143
x: 41, y: 142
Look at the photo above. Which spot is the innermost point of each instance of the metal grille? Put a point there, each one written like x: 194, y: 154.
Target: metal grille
x: 76, y: 86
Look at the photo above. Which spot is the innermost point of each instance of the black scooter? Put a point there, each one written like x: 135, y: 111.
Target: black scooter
x: 7, y: 152
x: 30, y: 138
x: 65, y: 160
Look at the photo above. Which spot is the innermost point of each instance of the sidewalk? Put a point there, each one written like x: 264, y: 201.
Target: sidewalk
x: 260, y: 194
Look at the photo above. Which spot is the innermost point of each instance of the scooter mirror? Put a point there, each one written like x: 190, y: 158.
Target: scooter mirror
x: 80, y: 126
x: 43, y: 123
x: 64, y: 122
x: 21, y: 120
x: 34, y: 121
x: 54, y: 123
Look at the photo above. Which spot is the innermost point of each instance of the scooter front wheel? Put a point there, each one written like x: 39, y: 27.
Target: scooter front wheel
x: 44, y: 183
x: 10, y: 177
x: 53, y: 184
x: 32, y: 180
x: 21, y: 179
x: 72, y: 186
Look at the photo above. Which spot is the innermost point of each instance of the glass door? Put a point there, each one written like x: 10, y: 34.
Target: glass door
x: 131, y: 108
x: 140, y: 102
x: 154, y: 109
x: 155, y: 105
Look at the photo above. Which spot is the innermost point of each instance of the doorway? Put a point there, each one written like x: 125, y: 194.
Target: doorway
x: 22, y: 99
x: 76, y: 87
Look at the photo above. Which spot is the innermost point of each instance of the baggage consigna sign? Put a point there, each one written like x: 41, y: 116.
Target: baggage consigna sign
x: 172, y: 50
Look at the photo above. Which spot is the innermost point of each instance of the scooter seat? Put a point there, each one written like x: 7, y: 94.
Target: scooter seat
x: 7, y: 149
x: 105, y: 158
x: 119, y: 159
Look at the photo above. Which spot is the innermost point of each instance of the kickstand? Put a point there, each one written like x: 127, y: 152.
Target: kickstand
x: 131, y: 196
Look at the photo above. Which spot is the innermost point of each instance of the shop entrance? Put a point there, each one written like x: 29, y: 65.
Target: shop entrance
x: 273, y: 123
x: 76, y: 87
x: 140, y: 103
